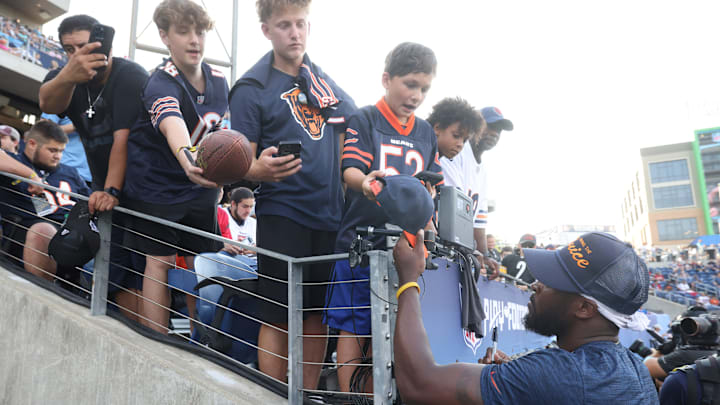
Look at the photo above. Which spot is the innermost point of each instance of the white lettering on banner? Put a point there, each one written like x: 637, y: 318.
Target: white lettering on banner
x: 505, y: 315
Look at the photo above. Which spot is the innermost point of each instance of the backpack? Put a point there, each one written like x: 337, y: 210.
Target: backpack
x: 708, y: 371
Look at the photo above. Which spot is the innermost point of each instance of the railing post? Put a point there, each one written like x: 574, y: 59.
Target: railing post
x: 98, y: 303
x: 382, y: 317
x: 295, y: 331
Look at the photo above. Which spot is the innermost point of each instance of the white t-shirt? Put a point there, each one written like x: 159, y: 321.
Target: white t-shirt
x: 466, y: 174
x: 242, y: 232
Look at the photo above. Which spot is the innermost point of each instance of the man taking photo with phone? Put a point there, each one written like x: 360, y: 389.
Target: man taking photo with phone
x: 100, y: 94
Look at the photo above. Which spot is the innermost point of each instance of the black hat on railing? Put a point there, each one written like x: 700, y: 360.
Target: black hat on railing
x: 78, y: 240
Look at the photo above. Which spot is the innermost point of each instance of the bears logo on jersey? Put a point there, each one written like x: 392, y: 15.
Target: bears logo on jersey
x: 308, y: 117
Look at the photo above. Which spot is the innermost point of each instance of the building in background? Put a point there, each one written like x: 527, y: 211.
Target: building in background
x: 666, y: 203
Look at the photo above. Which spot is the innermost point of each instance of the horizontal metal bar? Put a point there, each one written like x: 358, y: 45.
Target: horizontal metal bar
x: 323, y: 258
x: 163, y: 51
x: 334, y: 308
x: 515, y: 279
x: 362, y: 394
x: 43, y: 185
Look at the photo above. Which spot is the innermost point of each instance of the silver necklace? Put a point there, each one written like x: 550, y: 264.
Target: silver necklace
x: 91, y: 111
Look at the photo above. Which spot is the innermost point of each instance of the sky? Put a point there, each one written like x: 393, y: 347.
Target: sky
x: 586, y: 84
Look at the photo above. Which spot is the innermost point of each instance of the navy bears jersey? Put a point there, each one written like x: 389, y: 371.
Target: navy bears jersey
x: 268, y: 107
x: 376, y: 140
x: 66, y: 178
x: 153, y: 173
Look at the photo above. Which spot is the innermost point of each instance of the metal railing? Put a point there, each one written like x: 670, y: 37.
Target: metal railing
x: 383, y: 283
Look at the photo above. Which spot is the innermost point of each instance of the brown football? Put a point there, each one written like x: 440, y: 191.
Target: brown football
x: 225, y: 156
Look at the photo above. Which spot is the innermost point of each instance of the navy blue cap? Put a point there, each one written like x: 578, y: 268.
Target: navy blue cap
x: 406, y: 202
x: 598, y: 265
x: 493, y: 115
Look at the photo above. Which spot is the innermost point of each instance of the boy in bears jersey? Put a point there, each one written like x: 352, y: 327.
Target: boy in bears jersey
x: 185, y: 98
x: 287, y: 97
x: 384, y: 139
x: 44, y: 145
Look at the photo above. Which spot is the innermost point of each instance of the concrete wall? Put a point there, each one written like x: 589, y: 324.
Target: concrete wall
x: 54, y: 352
x: 660, y: 305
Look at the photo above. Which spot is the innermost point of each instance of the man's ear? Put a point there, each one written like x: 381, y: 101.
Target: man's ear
x: 265, y: 30
x: 584, y: 309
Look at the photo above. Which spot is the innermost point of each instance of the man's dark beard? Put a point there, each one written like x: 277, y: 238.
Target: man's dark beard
x: 549, y: 323
x: 236, y: 218
x: 44, y: 167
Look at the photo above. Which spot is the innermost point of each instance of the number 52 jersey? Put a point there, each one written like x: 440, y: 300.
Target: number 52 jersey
x: 376, y: 140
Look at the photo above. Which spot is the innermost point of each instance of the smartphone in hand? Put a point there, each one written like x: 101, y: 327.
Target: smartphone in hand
x: 290, y: 148
x: 103, y: 34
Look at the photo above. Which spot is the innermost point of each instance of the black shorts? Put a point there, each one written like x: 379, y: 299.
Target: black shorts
x: 199, y: 213
x: 283, y: 235
x: 122, y: 259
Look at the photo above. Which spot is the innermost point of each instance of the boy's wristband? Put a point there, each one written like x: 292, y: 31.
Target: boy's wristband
x: 406, y: 286
x: 190, y: 148
x: 33, y: 175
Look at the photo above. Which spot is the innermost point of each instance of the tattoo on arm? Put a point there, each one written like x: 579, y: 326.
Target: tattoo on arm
x: 467, y: 390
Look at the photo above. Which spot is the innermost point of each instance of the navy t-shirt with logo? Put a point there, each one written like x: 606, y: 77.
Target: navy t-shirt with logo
x: 266, y: 105
x: 595, y: 373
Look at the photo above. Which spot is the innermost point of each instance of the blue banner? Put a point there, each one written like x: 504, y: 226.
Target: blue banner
x: 505, y: 307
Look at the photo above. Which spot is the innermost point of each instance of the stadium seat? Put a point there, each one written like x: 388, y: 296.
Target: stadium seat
x: 220, y: 277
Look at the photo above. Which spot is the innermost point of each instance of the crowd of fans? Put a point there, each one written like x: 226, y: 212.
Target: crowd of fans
x: 30, y: 44
x: 691, y: 281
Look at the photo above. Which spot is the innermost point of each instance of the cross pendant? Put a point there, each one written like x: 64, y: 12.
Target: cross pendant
x: 90, y: 112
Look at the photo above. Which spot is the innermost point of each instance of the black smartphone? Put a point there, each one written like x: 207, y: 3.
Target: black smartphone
x: 103, y: 34
x: 290, y: 148
x: 430, y: 177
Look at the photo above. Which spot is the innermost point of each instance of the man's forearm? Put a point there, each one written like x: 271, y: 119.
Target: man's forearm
x: 413, y: 357
x: 68, y: 128
x: 10, y: 165
x: 419, y: 379
x: 55, y: 95
x: 118, y: 160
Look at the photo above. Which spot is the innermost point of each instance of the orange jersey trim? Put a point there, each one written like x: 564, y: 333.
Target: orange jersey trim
x: 349, y: 155
x: 402, y: 129
x: 356, y: 150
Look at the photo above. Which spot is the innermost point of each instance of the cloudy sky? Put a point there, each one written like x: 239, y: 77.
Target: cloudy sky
x: 587, y: 84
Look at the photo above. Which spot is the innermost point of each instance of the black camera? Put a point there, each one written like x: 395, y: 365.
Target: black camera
x: 702, y: 330
x: 661, y: 345
x: 639, y: 347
